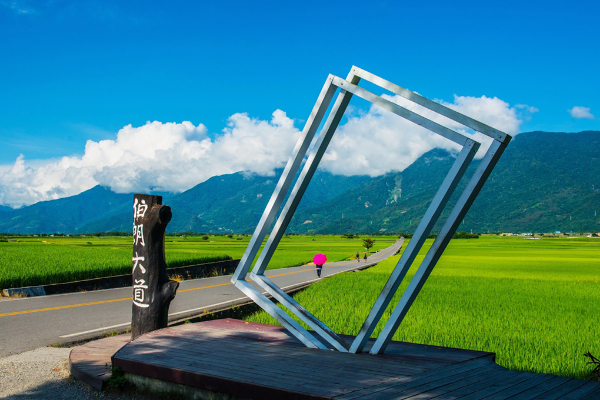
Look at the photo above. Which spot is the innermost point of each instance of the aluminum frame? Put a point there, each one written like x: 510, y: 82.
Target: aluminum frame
x: 323, y: 337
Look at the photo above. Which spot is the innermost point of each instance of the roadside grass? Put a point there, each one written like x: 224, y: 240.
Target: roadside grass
x: 532, y: 302
x: 39, y: 261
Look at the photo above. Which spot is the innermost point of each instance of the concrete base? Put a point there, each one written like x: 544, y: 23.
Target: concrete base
x: 160, y: 387
x: 91, y: 362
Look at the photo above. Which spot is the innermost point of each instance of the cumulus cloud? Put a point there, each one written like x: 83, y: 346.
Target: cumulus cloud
x: 174, y: 157
x: 581, y: 112
x: 378, y: 141
x: 157, y: 156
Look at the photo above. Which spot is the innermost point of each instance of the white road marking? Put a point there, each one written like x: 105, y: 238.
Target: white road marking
x: 206, y: 307
x: 95, y: 330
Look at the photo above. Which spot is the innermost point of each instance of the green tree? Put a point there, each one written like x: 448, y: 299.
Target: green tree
x: 465, y: 235
x: 368, y: 243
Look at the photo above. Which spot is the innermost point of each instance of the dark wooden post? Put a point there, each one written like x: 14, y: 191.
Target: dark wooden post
x: 152, y: 289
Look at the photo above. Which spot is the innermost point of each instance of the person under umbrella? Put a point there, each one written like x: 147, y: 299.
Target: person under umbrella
x: 319, y: 260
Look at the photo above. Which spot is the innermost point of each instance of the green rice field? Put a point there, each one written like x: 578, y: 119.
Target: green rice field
x: 39, y: 261
x: 532, y: 302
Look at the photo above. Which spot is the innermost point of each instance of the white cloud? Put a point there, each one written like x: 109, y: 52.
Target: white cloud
x: 581, y: 112
x: 379, y: 141
x: 527, y: 108
x: 525, y: 112
x: 157, y: 156
x: 18, y: 7
x: 176, y: 156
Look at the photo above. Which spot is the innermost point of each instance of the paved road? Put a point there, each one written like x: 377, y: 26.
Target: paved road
x: 29, y: 323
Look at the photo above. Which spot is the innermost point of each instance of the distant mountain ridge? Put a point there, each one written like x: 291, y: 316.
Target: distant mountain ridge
x: 227, y: 203
x: 65, y: 215
x: 543, y: 182
x: 394, y: 202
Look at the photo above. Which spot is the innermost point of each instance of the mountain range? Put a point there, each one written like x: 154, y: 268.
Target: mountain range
x: 544, y: 182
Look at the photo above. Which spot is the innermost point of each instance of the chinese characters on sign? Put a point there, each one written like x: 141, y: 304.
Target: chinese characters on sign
x: 139, y: 290
x: 136, y: 263
x: 139, y: 209
x: 151, y: 288
x: 138, y: 234
x: 139, y: 286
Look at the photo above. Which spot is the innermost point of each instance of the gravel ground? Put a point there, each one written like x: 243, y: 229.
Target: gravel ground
x: 44, y: 374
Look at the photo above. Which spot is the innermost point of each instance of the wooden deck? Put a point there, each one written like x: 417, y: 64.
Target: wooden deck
x: 258, y: 361
x: 90, y: 363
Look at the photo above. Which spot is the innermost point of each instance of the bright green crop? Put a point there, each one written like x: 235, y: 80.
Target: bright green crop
x: 39, y: 261
x: 532, y: 302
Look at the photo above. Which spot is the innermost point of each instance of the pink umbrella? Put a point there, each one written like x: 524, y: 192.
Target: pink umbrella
x: 320, y: 259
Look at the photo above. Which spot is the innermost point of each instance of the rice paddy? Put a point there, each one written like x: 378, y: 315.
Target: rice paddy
x: 40, y: 261
x: 532, y: 302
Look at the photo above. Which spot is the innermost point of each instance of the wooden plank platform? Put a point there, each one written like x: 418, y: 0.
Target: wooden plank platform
x: 258, y: 361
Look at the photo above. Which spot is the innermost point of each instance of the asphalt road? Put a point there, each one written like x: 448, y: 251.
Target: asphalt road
x: 29, y: 323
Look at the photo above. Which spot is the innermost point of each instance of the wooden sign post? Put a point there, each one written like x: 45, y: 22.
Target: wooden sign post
x: 152, y: 289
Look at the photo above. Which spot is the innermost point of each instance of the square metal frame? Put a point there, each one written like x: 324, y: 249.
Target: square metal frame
x: 325, y: 337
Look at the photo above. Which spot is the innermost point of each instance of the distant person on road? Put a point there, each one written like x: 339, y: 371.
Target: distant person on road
x: 319, y: 260
x: 357, y: 257
x: 319, y: 269
x: 365, y: 256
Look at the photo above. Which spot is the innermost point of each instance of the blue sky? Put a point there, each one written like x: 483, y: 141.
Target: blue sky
x: 78, y: 71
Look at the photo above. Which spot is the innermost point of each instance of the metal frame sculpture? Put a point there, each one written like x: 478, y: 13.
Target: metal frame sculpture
x: 323, y: 337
